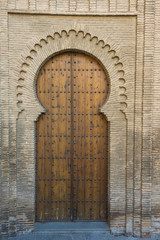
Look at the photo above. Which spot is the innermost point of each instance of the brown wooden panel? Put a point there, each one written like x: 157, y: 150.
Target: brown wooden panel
x: 54, y: 140
x: 71, y: 168
x: 90, y: 138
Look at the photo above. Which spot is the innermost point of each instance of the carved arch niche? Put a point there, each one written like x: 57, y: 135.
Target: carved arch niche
x: 115, y: 107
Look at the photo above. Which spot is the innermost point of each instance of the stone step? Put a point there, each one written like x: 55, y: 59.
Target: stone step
x: 67, y: 236
x: 71, y: 227
x: 75, y: 236
x: 71, y: 231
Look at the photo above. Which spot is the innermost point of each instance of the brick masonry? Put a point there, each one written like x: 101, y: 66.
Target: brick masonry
x: 124, y: 36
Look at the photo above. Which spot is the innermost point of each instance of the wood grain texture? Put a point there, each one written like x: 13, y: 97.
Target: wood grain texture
x: 71, y: 168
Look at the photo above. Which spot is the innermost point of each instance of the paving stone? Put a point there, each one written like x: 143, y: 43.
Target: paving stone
x: 74, y: 236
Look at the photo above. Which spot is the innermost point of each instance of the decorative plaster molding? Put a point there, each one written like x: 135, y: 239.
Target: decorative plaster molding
x: 39, y: 51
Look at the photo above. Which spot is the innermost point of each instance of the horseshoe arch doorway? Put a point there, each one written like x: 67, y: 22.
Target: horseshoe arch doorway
x: 72, y: 140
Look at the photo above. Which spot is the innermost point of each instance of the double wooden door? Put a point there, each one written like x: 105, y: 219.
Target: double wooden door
x: 71, y: 140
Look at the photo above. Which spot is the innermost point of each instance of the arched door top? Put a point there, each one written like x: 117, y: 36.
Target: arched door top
x: 41, y: 50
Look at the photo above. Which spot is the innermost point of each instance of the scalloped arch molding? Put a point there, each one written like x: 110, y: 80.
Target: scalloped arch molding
x: 41, y: 49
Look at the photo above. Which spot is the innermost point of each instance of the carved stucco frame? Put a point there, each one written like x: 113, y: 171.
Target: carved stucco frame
x: 115, y: 109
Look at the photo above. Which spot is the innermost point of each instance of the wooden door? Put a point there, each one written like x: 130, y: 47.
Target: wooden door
x: 72, y: 140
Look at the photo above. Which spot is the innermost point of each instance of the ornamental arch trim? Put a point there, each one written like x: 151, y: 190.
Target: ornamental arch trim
x: 40, y: 50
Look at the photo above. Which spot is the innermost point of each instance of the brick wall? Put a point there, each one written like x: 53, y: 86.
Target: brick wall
x: 93, y: 6
x: 131, y: 29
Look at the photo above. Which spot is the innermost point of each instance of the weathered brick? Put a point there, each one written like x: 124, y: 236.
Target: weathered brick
x: 124, y: 36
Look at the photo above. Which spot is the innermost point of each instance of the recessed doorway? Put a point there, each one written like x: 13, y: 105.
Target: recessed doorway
x: 72, y: 140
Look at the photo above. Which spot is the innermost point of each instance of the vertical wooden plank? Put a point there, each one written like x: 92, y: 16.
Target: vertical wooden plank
x: 94, y: 133
x: 48, y: 149
x: 90, y: 149
x: 55, y: 138
x: 62, y: 114
x: 53, y: 167
x: 92, y: 146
